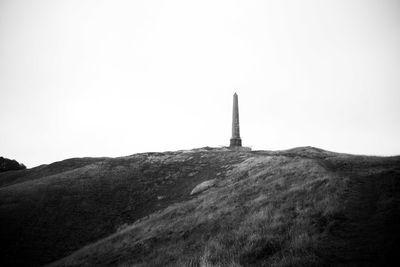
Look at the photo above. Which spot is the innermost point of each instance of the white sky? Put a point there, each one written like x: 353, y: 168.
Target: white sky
x: 113, y: 78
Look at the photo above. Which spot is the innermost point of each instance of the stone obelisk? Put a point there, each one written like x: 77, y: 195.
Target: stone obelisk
x: 236, y: 141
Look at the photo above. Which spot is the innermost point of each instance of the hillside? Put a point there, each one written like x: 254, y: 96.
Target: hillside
x: 299, y: 207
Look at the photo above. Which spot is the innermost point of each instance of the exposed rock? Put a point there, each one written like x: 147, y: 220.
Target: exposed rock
x: 203, y: 186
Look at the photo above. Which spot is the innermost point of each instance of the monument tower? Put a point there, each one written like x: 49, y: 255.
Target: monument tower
x: 236, y: 141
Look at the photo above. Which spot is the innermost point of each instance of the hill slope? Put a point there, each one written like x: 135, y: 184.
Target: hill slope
x: 303, y: 206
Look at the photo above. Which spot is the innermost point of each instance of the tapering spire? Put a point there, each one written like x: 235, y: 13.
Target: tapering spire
x: 235, y: 140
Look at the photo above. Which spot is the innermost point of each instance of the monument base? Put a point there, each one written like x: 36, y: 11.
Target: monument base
x: 239, y: 148
x: 236, y: 142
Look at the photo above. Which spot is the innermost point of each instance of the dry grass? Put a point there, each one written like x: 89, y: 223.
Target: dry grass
x: 268, y: 211
x: 303, y: 207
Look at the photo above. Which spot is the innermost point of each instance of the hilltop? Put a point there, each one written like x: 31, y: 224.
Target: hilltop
x: 299, y: 207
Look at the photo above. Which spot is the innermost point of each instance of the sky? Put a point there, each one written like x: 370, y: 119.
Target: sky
x: 112, y: 78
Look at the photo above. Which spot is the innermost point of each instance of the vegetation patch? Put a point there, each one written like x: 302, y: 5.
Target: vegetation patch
x: 301, y: 207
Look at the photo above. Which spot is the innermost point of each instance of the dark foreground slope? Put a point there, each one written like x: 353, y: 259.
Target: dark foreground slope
x: 300, y: 207
x: 49, y: 211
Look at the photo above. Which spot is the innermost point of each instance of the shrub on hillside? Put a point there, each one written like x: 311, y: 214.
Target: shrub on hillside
x: 10, y: 165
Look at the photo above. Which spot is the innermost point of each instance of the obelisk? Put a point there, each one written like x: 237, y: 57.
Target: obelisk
x: 235, y: 140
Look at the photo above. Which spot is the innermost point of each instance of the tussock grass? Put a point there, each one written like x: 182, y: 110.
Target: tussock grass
x: 270, y: 210
x: 301, y: 207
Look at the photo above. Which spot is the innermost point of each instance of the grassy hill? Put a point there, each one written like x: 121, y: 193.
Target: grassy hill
x: 299, y: 207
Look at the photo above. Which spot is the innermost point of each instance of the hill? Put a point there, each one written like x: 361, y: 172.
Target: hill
x: 299, y: 207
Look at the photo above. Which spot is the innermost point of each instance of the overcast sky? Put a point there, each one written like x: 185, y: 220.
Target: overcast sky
x: 113, y: 78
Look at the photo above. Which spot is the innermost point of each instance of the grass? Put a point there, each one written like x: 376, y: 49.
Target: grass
x: 267, y: 211
x: 48, y: 212
x: 301, y: 207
